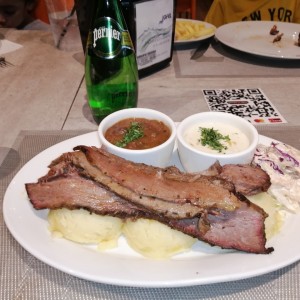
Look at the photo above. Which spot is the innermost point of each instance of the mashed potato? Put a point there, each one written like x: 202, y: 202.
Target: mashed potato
x: 150, y: 238
x: 83, y: 227
x: 155, y: 240
x: 275, y: 211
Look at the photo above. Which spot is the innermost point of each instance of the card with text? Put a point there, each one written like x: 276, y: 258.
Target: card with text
x: 251, y: 104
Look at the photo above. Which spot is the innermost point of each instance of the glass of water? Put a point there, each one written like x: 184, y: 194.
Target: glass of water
x: 64, y: 24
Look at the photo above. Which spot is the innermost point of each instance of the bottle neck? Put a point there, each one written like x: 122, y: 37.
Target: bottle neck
x: 110, y: 8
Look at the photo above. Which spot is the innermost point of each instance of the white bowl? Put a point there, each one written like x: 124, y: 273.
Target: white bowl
x: 195, y: 160
x: 158, y: 156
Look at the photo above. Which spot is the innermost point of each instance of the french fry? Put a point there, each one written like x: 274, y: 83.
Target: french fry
x: 188, y: 30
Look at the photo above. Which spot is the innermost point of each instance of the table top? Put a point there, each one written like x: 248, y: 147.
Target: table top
x: 43, y: 101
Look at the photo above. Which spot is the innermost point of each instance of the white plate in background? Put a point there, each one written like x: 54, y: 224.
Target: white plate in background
x: 254, y: 37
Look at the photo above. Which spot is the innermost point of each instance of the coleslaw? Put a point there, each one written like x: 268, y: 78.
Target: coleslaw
x: 282, y: 163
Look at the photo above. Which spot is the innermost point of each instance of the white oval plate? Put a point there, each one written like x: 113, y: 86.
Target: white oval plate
x: 254, y: 37
x: 122, y: 266
x: 201, y: 38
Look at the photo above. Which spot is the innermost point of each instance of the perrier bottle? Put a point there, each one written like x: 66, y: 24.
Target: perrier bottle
x: 111, y: 73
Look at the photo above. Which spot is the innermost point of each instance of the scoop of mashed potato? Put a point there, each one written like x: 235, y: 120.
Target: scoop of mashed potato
x: 83, y: 227
x: 155, y: 240
x: 274, y: 209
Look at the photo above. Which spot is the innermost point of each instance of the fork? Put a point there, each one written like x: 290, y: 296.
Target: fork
x: 4, y: 63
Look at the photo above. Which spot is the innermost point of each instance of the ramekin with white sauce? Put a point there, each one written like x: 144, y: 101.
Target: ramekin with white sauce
x: 207, y: 137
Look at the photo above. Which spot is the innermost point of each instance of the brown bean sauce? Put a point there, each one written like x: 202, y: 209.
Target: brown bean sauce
x: 154, y: 133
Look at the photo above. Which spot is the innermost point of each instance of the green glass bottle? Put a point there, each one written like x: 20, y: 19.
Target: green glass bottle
x: 111, y: 72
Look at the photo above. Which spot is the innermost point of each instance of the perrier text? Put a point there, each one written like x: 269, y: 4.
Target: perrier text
x: 104, y: 32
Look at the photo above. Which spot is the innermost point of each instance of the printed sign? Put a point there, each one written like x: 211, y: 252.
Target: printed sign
x: 251, y: 104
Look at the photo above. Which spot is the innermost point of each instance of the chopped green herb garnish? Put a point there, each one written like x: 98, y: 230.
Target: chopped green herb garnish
x: 212, y: 138
x: 134, y: 132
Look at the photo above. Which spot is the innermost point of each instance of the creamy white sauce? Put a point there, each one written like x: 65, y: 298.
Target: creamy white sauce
x: 237, y: 143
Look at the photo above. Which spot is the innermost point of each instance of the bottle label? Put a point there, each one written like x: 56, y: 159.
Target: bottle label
x: 108, y: 38
x: 154, y: 31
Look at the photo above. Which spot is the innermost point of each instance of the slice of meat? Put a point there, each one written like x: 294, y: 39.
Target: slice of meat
x: 64, y: 187
x: 123, y: 176
x: 247, y: 179
x: 152, y: 204
x: 240, y: 229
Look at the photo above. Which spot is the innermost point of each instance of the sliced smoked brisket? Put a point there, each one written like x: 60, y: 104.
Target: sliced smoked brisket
x: 206, y: 207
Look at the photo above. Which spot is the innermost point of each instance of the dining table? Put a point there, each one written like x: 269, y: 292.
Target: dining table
x: 44, y: 102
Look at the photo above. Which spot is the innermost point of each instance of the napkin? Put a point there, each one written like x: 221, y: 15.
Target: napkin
x: 8, y: 46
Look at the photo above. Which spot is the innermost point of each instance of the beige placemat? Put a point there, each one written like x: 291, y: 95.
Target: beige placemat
x: 22, y: 276
x: 222, y: 61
